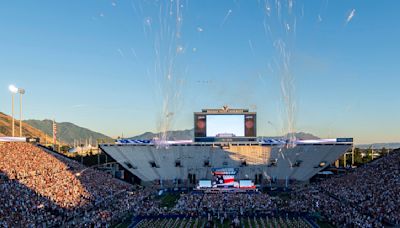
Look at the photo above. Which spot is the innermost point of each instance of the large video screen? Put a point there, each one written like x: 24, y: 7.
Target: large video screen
x: 225, y: 126
x: 212, y: 127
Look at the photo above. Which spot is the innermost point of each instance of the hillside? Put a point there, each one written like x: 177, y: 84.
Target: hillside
x: 68, y: 132
x: 27, y: 130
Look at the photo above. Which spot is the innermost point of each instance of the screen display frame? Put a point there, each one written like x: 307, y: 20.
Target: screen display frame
x: 249, y: 123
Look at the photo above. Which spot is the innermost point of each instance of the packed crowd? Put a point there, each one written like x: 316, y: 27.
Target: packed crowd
x: 373, y: 189
x: 243, y: 204
x: 42, y: 188
x: 366, y: 197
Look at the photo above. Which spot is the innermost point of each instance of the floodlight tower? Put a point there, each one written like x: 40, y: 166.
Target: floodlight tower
x: 13, y: 91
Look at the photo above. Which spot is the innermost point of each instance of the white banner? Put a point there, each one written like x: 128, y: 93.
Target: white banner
x: 12, y: 139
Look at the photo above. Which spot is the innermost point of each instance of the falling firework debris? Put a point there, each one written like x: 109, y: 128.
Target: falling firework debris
x: 351, y: 15
x: 280, y: 27
x: 120, y: 52
x: 226, y: 17
x: 164, y: 30
x: 134, y: 53
x: 319, y: 18
x: 251, y: 48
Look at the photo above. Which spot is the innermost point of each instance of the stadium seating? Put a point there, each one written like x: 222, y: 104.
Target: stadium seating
x: 257, y: 159
x: 42, y: 188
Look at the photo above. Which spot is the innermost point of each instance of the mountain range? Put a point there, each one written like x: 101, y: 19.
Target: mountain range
x: 68, y: 132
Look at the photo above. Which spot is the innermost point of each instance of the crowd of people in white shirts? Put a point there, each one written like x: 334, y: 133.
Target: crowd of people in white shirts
x: 42, y: 188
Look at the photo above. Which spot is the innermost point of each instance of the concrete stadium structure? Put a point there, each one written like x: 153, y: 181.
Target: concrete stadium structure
x: 256, y: 161
x: 226, y: 138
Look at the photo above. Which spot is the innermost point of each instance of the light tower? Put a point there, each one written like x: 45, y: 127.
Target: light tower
x: 21, y: 92
x: 13, y: 91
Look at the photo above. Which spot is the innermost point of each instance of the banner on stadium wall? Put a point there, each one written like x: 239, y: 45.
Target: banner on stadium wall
x: 12, y: 139
x: 225, y: 171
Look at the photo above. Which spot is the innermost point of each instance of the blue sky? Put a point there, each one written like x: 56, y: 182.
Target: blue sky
x: 103, y: 64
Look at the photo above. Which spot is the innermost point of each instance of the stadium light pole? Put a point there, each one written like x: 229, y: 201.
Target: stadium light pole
x: 21, y: 92
x: 13, y: 91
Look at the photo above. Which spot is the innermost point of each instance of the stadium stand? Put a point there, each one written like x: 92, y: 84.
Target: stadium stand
x: 365, y: 197
x: 193, y: 156
x: 39, y: 188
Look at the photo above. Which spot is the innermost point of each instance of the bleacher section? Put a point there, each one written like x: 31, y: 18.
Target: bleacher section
x: 150, y: 163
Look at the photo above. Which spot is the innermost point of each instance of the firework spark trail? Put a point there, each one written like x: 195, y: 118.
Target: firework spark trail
x: 120, y: 52
x: 261, y: 78
x: 350, y: 16
x: 280, y: 25
x: 226, y: 17
x: 267, y: 30
x: 168, y: 48
x: 134, y: 53
x: 322, y: 10
x: 251, y: 47
x: 162, y: 22
x: 267, y: 7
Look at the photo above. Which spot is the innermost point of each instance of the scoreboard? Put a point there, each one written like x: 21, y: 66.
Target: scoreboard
x: 225, y: 125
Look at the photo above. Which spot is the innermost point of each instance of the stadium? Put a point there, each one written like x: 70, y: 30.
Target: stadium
x: 258, y: 160
x: 232, y: 179
x: 199, y: 114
